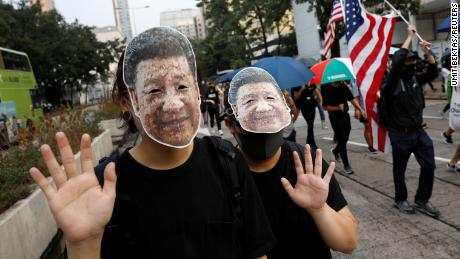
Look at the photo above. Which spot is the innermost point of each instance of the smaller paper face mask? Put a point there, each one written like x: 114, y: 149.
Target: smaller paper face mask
x: 257, y: 101
x: 159, y: 69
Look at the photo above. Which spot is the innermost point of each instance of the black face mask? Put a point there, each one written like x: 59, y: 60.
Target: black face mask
x: 260, y: 146
x: 407, y: 71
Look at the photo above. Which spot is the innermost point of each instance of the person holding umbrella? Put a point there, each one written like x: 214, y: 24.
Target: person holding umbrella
x: 331, y: 74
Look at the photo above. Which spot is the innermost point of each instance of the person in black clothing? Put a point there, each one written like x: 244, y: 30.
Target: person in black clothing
x: 422, y: 71
x: 289, y: 133
x: 336, y: 96
x: 306, y: 99
x: 169, y: 202
x: 307, y: 220
x: 405, y: 104
x: 212, y: 103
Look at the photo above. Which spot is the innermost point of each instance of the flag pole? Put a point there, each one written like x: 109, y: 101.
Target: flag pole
x: 342, y: 3
x: 402, y: 17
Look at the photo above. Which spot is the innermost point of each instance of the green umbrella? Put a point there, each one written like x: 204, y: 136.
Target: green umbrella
x: 332, y: 70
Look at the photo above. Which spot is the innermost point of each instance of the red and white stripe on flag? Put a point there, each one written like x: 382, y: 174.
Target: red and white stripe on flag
x: 336, y: 16
x: 369, y: 38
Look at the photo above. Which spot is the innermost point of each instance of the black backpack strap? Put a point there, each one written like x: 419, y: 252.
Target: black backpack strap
x: 226, y: 154
x: 103, y: 162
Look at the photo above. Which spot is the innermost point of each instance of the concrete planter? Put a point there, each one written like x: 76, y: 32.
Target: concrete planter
x: 116, y: 128
x: 27, y: 228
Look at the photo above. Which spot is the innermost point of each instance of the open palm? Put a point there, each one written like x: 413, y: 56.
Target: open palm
x: 310, y: 191
x: 80, y: 206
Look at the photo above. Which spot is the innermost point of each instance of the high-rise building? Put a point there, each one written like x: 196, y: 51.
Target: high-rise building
x: 122, y: 21
x: 47, y: 5
x: 188, y: 21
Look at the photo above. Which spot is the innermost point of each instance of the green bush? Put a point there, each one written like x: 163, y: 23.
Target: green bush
x: 18, y: 159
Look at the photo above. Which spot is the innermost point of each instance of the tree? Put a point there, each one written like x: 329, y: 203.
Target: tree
x: 323, y: 10
x: 237, y: 28
x: 226, y: 45
x: 62, y: 55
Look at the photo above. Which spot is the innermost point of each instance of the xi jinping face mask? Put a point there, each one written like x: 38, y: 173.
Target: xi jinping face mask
x: 159, y: 70
x: 257, y: 102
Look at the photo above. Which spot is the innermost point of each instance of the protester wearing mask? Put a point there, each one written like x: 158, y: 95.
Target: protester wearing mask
x: 311, y: 218
x: 170, y: 200
x: 405, y: 104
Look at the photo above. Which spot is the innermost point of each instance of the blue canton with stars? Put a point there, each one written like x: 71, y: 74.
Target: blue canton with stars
x: 336, y: 2
x: 353, y: 17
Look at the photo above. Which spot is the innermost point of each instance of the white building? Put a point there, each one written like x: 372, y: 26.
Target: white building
x: 122, y: 19
x: 107, y: 33
x: 306, y: 31
x: 100, y: 90
x: 189, y: 21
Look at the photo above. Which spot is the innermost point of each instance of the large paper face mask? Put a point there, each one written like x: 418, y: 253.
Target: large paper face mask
x: 257, y: 101
x: 160, y: 72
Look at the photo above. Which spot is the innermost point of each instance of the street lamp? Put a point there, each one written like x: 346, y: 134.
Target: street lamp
x: 133, y: 14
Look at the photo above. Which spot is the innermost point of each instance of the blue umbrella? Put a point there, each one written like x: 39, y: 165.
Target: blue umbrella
x: 228, y: 76
x: 288, y: 72
x: 444, y: 26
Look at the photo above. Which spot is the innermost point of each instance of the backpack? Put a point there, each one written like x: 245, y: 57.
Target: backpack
x: 225, y: 154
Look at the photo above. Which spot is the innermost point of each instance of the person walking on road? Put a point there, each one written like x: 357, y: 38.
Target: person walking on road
x: 336, y: 96
x: 367, y: 128
x: 405, y: 104
x: 213, y: 106
x: 306, y: 99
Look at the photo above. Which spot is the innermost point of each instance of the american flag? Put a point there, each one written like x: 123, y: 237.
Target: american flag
x: 336, y: 16
x: 369, y: 38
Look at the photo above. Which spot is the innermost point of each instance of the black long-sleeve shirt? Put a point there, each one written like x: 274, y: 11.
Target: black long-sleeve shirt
x: 404, y: 96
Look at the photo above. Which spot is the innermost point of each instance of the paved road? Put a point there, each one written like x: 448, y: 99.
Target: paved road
x: 383, y: 231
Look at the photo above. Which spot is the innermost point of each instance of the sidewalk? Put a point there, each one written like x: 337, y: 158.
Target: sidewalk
x: 383, y: 231
x: 438, y: 94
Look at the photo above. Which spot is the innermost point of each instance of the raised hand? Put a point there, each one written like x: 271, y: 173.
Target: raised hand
x: 80, y: 206
x: 425, y: 46
x: 411, y: 30
x: 311, y: 190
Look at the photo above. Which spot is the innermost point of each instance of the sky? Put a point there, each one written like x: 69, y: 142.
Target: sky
x: 100, y: 12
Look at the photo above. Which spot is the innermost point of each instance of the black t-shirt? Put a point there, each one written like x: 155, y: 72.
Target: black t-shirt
x: 333, y: 96
x: 306, y: 98
x: 185, y: 212
x: 296, y: 233
x: 213, y: 96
